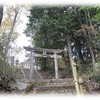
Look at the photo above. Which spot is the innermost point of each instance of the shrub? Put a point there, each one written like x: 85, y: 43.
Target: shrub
x: 96, y: 77
x: 6, y: 82
x: 30, y: 88
x: 85, y: 69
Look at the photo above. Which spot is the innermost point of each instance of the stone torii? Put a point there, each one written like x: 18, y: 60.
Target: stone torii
x: 44, y: 53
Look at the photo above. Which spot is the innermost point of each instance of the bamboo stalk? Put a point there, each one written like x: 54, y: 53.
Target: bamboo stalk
x: 81, y: 82
x: 75, y: 77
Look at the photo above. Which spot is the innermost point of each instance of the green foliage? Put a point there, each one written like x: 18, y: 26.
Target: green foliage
x: 30, y: 88
x: 96, y: 73
x: 96, y: 17
x: 87, y: 88
x: 84, y: 69
x: 48, y: 23
x: 6, y: 82
x: 63, y: 74
x: 96, y: 41
x: 48, y: 26
x: 96, y: 77
x: 10, y: 71
x: 8, y: 35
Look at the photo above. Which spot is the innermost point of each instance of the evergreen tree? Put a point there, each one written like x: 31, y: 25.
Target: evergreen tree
x: 64, y: 26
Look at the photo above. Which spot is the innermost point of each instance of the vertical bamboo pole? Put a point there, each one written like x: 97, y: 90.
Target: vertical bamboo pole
x: 81, y: 82
x: 75, y: 77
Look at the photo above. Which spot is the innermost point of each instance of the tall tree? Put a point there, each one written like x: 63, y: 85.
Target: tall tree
x: 1, y: 13
x: 7, y: 32
x: 48, y: 26
x: 87, y: 40
x: 53, y: 27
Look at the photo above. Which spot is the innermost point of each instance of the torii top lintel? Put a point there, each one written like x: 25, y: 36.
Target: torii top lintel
x: 42, y: 49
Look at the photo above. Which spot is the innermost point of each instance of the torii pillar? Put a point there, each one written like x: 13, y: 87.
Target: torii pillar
x: 31, y: 65
x: 56, y: 65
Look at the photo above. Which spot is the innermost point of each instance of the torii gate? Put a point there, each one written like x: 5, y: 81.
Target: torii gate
x: 78, y: 83
x: 44, y: 54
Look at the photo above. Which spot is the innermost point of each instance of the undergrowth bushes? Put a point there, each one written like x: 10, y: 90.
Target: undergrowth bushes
x: 6, y: 82
x: 84, y: 69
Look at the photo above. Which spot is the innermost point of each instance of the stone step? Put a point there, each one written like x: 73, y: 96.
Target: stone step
x: 53, y: 84
x: 53, y: 87
x: 66, y: 80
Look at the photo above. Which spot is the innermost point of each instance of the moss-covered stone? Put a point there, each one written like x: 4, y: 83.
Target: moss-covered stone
x: 30, y: 88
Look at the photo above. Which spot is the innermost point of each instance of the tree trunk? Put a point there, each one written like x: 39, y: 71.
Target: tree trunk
x: 91, y: 23
x: 72, y: 64
x: 9, y: 39
x: 86, y: 16
x: 87, y: 41
x: 1, y: 13
x: 69, y: 48
x: 78, y: 48
x: 80, y: 53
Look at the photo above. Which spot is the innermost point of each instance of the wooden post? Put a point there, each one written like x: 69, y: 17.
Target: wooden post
x: 56, y: 65
x: 81, y: 82
x: 31, y: 65
x: 75, y: 77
